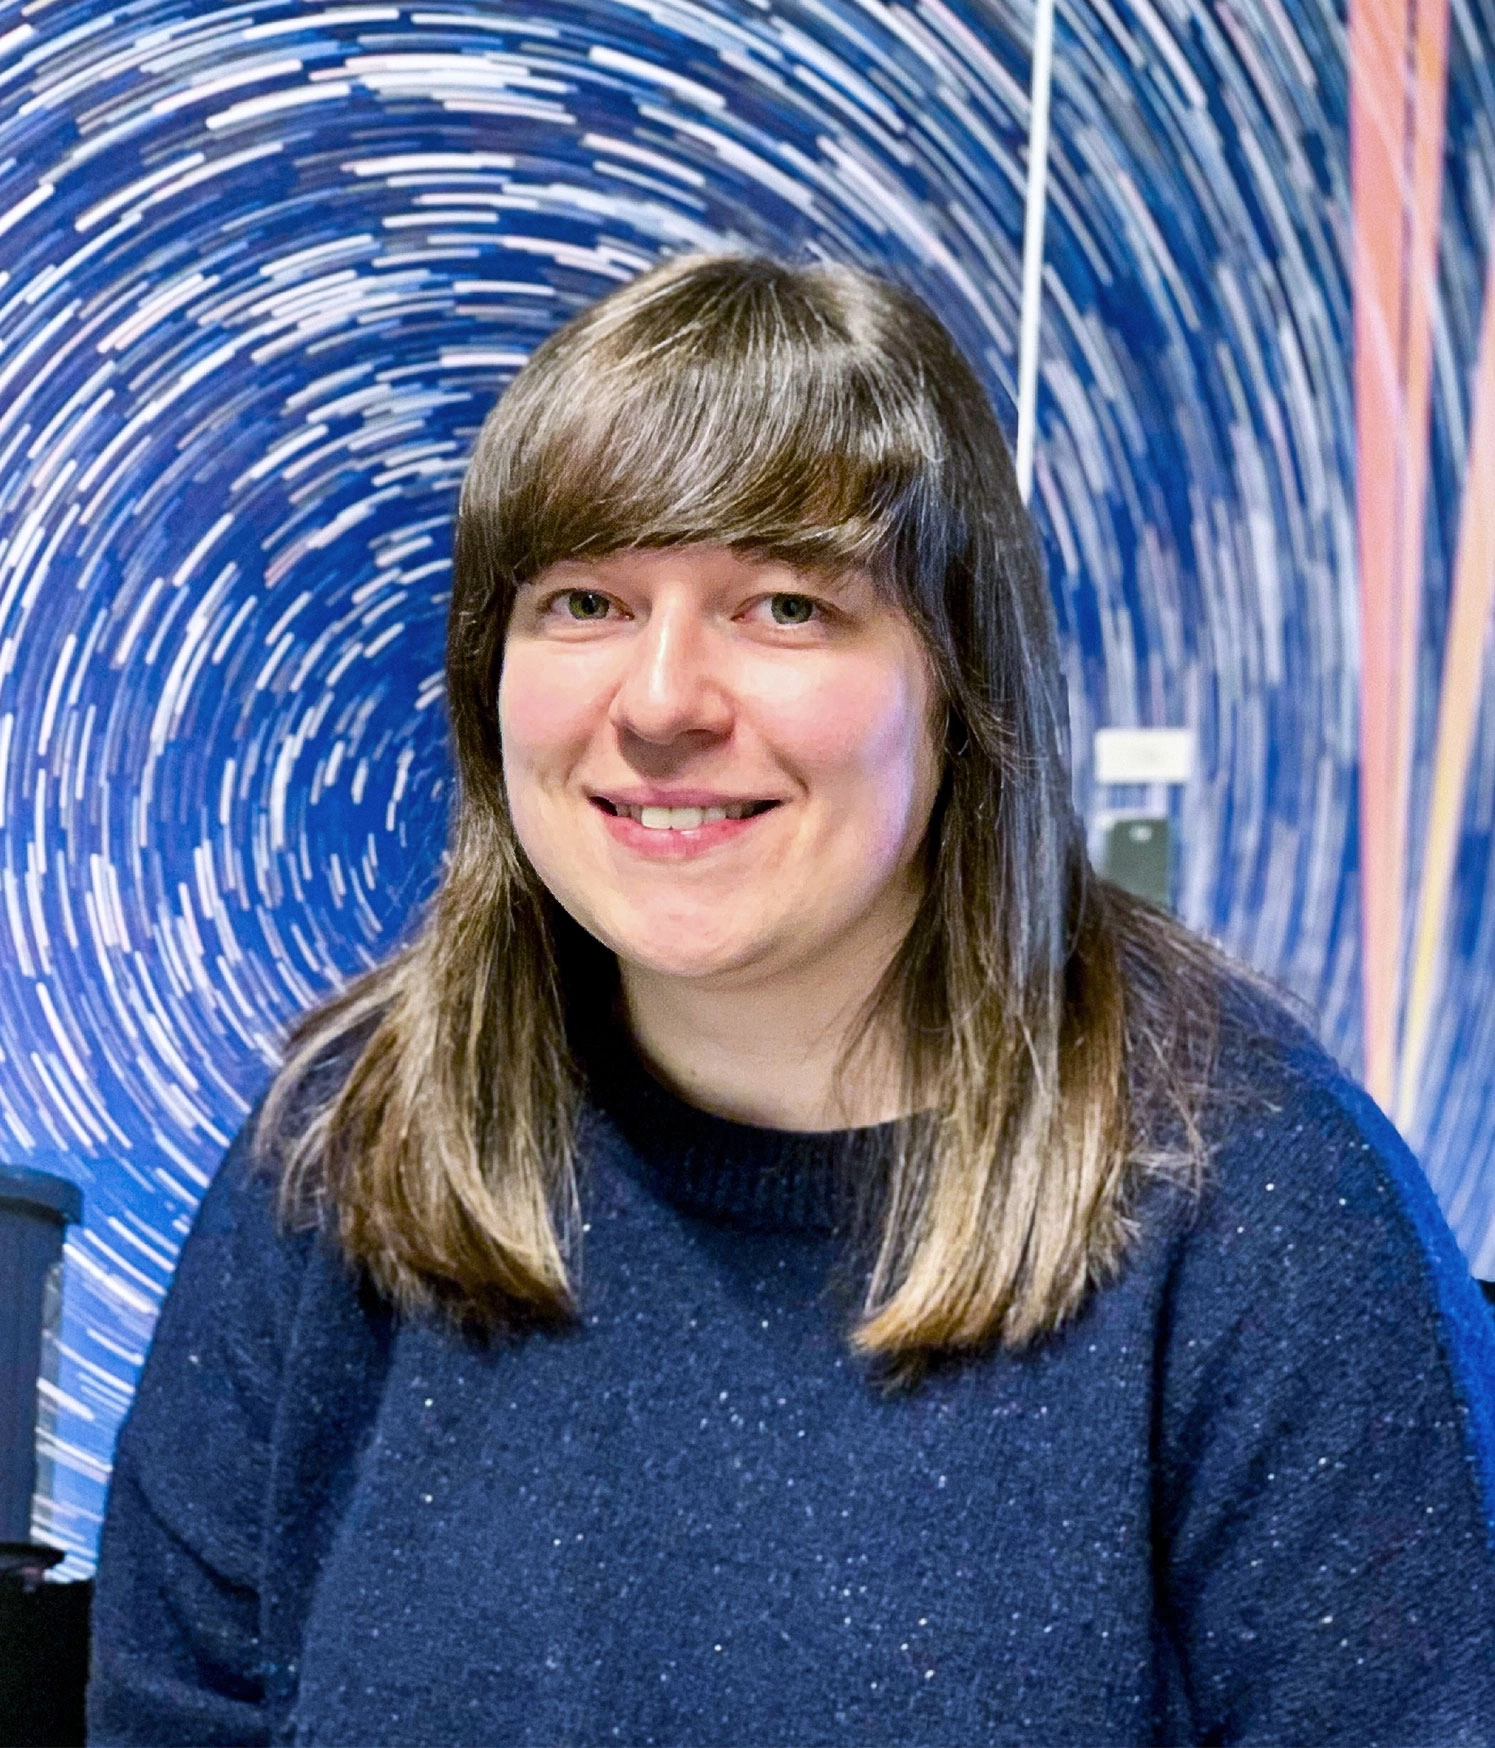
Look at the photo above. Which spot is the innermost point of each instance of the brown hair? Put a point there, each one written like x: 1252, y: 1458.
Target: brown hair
x: 1055, y: 1027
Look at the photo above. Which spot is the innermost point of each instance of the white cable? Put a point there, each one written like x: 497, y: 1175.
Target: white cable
x: 1033, y: 213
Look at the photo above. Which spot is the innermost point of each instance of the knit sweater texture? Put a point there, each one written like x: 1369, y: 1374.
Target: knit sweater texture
x: 1245, y: 1496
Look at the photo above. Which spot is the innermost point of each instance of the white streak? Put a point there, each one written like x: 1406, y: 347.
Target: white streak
x: 1038, y: 169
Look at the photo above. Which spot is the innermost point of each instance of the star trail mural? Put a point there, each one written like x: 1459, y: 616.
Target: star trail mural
x: 263, y: 267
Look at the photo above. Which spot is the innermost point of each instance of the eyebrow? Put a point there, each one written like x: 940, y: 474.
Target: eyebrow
x: 534, y: 581
x: 558, y: 564
x: 839, y: 580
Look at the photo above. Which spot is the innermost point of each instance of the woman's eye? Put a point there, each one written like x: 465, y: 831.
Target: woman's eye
x: 792, y: 609
x: 585, y: 604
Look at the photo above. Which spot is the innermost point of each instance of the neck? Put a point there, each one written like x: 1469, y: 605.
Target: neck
x: 768, y: 1051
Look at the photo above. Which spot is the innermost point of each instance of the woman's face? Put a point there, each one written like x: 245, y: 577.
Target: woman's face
x: 721, y: 767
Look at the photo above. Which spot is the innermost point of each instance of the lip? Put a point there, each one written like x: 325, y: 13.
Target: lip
x: 642, y: 795
x: 674, y: 846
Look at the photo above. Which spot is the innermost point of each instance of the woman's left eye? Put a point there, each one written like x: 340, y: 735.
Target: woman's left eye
x: 792, y: 609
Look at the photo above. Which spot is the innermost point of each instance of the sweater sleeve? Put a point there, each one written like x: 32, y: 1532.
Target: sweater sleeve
x: 175, y: 1645
x: 1326, y: 1444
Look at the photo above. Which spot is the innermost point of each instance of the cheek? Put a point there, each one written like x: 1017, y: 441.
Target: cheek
x: 863, y: 736
x: 543, y: 717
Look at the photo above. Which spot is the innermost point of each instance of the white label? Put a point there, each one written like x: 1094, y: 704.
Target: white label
x: 1144, y: 755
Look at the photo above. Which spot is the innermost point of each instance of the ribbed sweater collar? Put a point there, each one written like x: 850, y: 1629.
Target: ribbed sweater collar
x: 734, y: 1174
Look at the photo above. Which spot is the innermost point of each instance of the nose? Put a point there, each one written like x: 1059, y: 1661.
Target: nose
x: 671, y: 687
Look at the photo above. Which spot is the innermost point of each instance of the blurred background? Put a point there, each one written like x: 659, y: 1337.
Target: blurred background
x: 263, y: 268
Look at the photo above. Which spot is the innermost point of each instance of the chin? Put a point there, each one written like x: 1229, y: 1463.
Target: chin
x: 660, y: 960
x: 680, y: 948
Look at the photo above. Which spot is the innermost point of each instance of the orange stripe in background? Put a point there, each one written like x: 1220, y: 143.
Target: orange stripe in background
x: 1398, y: 75
x: 1429, y: 67
x: 1470, y: 610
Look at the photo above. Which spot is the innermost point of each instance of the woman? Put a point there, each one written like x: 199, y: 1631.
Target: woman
x: 787, y: 1254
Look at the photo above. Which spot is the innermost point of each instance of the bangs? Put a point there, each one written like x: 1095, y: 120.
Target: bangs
x: 763, y: 411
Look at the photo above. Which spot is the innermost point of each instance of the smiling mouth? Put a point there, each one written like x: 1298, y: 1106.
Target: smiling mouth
x: 682, y: 819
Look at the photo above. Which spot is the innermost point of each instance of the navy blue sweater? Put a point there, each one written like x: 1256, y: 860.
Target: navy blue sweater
x: 1244, y: 1497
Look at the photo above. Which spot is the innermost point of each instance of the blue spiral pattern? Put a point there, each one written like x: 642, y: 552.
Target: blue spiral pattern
x: 263, y: 268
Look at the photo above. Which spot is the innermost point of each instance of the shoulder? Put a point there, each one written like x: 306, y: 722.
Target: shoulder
x: 1300, y: 1149
x: 1317, y: 1250
x: 234, y: 1298
x: 1323, y: 1417
x: 193, y: 1451
x: 243, y: 1225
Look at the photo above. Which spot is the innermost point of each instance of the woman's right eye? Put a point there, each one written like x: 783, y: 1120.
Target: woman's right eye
x: 583, y: 604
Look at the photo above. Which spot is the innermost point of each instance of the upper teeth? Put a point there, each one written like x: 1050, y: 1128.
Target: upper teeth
x: 683, y: 819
